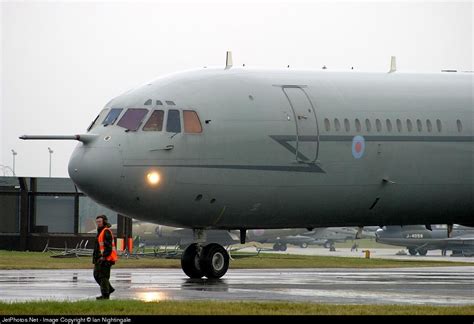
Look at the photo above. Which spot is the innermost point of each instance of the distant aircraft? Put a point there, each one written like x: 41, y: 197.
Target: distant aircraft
x: 328, y: 236
x: 419, y: 239
x: 241, y: 148
x: 153, y: 234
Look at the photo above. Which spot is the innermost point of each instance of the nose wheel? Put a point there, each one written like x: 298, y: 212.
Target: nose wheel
x: 190, y: 262
x: 211, y: 261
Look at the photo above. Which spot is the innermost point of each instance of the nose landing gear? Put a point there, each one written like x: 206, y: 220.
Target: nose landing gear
x: 211, y: 261
x: 190, y: 262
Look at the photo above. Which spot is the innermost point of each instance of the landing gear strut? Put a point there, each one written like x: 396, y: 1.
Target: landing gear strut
x: 211, y: 261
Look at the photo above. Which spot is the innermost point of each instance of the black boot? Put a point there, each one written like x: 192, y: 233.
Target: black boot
x: 102, y: 297
x: 111, y: 290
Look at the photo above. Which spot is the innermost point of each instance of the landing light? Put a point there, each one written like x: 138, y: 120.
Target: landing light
x: 153, y: 178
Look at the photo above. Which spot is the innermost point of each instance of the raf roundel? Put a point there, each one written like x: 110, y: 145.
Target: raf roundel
x: 358, y: 146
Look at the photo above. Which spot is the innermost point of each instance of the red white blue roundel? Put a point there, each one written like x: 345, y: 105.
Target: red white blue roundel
x: 358, y: 146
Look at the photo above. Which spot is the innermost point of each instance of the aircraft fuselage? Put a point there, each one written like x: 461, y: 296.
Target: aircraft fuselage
x: 283, y: 148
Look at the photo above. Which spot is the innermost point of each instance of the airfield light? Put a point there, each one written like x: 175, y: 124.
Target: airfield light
x: 153, y: 178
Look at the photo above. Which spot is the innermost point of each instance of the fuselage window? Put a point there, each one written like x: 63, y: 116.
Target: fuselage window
x: 112, y: 116
x: 389, y: 125
x: 173, y: 124
x: 429, y: 127
x: 132, y: 118
x: 368, y: 125
x: 159, y: 103
x: 169, y: 102
x: 419, y: 125
x: 337, y: 125
x: 95, y: 120
x: 192, y: 124
x: 438, y: 125
x: 409, y: 125
x: 358, y: 125
x: 148, y: 102
x: 155, y: 122
x: 399, y: 125
x: 378, y: 125
x: 327, y: 125
x: 347, y: 125
x: 459, y: 124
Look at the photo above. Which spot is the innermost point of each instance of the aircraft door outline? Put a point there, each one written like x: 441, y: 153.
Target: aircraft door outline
x: 302, y: 122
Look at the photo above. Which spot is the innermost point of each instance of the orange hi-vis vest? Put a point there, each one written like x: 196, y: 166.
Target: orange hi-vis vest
x: 113, y: 256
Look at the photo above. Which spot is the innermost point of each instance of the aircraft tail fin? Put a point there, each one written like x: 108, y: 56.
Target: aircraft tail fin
x: 228, y: 60
x: 393, y: 64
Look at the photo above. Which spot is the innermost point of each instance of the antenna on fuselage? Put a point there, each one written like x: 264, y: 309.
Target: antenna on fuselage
x: 393, y: 64
x: 228, y: 60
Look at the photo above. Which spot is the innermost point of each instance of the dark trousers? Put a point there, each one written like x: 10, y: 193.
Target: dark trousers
x: 102, y: 276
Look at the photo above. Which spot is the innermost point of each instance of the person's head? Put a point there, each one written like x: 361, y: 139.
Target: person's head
x: 101, y: 221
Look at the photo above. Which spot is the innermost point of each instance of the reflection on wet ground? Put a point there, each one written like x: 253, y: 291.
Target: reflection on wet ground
x: 432, y: 286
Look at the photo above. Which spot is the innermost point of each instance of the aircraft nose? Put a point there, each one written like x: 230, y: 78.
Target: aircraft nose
x: 159, y: 231
x: 378, y: 233
x: 96, y: 171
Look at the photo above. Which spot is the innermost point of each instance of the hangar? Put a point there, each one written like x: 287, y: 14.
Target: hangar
x: 39, y: 211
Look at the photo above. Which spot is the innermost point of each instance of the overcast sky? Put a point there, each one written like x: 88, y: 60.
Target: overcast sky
x: 61, y: 62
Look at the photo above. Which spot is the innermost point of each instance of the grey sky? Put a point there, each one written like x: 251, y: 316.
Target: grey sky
x: 61, y: 62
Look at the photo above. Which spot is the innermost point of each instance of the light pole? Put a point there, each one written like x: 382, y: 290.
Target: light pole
x: 14, y: 154
x: 50, y: 153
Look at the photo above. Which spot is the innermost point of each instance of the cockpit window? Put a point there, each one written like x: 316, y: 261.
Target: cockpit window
x: 95, y: 120
x: 112, y: 116
x: 192, y: 124
x: 173, y: 125
x: 155, y: 122
x: 132, y: 118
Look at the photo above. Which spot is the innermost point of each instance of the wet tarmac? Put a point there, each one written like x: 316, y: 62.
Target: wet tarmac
x: 416, y: 286
x: 375, y: 253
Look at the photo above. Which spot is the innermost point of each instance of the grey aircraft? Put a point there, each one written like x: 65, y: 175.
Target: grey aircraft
x: 327, y: 237
x: 243, y: 148
x: 153, y: 234
x: 420, y: 239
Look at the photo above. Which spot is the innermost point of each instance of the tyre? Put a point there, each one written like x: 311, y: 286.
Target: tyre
x: 214, y: 261
x: 412, y: 251
x: 283, y: 247
x: 423, y: 252
x: 304, y: 245
x: 190, y: 262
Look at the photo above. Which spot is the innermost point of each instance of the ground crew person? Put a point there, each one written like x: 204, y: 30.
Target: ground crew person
x: 104, y: 256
